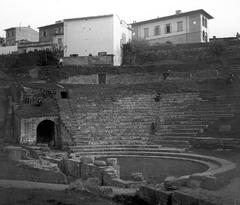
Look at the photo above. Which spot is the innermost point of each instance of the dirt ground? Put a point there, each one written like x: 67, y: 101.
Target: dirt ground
x: 12, y: 196
x: 33, y: 196
x: 229, y: 191
x: 12, y: 170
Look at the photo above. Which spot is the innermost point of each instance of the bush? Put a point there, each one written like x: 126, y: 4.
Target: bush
x: 36, y: 58
x: 137, y: 50
x: 217, y: 49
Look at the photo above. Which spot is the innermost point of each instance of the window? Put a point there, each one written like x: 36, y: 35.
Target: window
x: 203, y: 35
x: 59, y: 30
x: 102, y: 53
x: 204, y: 21
x: 59, y: 40
x: 102, y: 78
x: 156, y: 30
x: 146, y: 32
x: 64, y: 95
x: 168, y: 28
x: 179, y: 26
x: 44, y: 33
x: 12, y: 33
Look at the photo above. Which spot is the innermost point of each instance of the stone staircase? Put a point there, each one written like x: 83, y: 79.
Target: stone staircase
x: 187, y: 123
x: 66, y: 118
x: 102, y: 150
x: 111, y: 121
x: 105, y: 122
x: 120, y: 116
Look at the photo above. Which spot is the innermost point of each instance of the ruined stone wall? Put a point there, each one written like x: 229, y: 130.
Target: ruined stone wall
x: 28, y: 128
x: 88, y: 60
x: 199, y: 52
x: 142, y: 78
x: 101, y: 172
x: 153, y: 195
x: 81, y: 79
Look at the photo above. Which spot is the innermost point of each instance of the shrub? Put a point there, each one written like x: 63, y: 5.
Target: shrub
x: 217, y: 49
x: 138, y: 50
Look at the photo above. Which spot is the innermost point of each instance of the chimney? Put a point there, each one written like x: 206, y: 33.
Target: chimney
x: 178, y: 11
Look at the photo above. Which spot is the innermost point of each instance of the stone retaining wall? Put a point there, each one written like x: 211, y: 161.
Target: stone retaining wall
x: 141, y: 78
x: 88, y: 60
x: 106, y: 173
x: 153, y: 196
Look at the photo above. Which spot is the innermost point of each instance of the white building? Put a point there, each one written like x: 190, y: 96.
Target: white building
x: 95, y: 36
x: 187, y: 27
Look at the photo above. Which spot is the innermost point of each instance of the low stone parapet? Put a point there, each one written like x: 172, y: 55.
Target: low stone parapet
x: 182, y: 197
x: 158, y: 195
x: 153, y: 195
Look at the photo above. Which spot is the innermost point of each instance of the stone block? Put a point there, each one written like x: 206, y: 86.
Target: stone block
x: 87, y: 159
x: 92, y: 171
x: 163, y: 197
x: 86, y: 171
x: 112, y: 162
x: 73, y: 168
x: 137, y: 176
x: 100, y: 163
x: 25, y: 154
x: 105, y: 191
x: 97, y: 172
x: 153, y: 195
x: 147, y: 193
x: 92, y: 184
x: 61, y: 165
x: 171, y: 183
x: 77, y: 185
x: 110, y: 170
x: 13, y: 153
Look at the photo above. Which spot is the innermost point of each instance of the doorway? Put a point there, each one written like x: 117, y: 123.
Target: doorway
x: 46, y: 132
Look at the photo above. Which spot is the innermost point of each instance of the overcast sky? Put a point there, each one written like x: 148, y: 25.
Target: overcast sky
x: 37, y: 13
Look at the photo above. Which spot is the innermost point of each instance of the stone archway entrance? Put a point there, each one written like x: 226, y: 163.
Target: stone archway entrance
x: 46, y: 132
